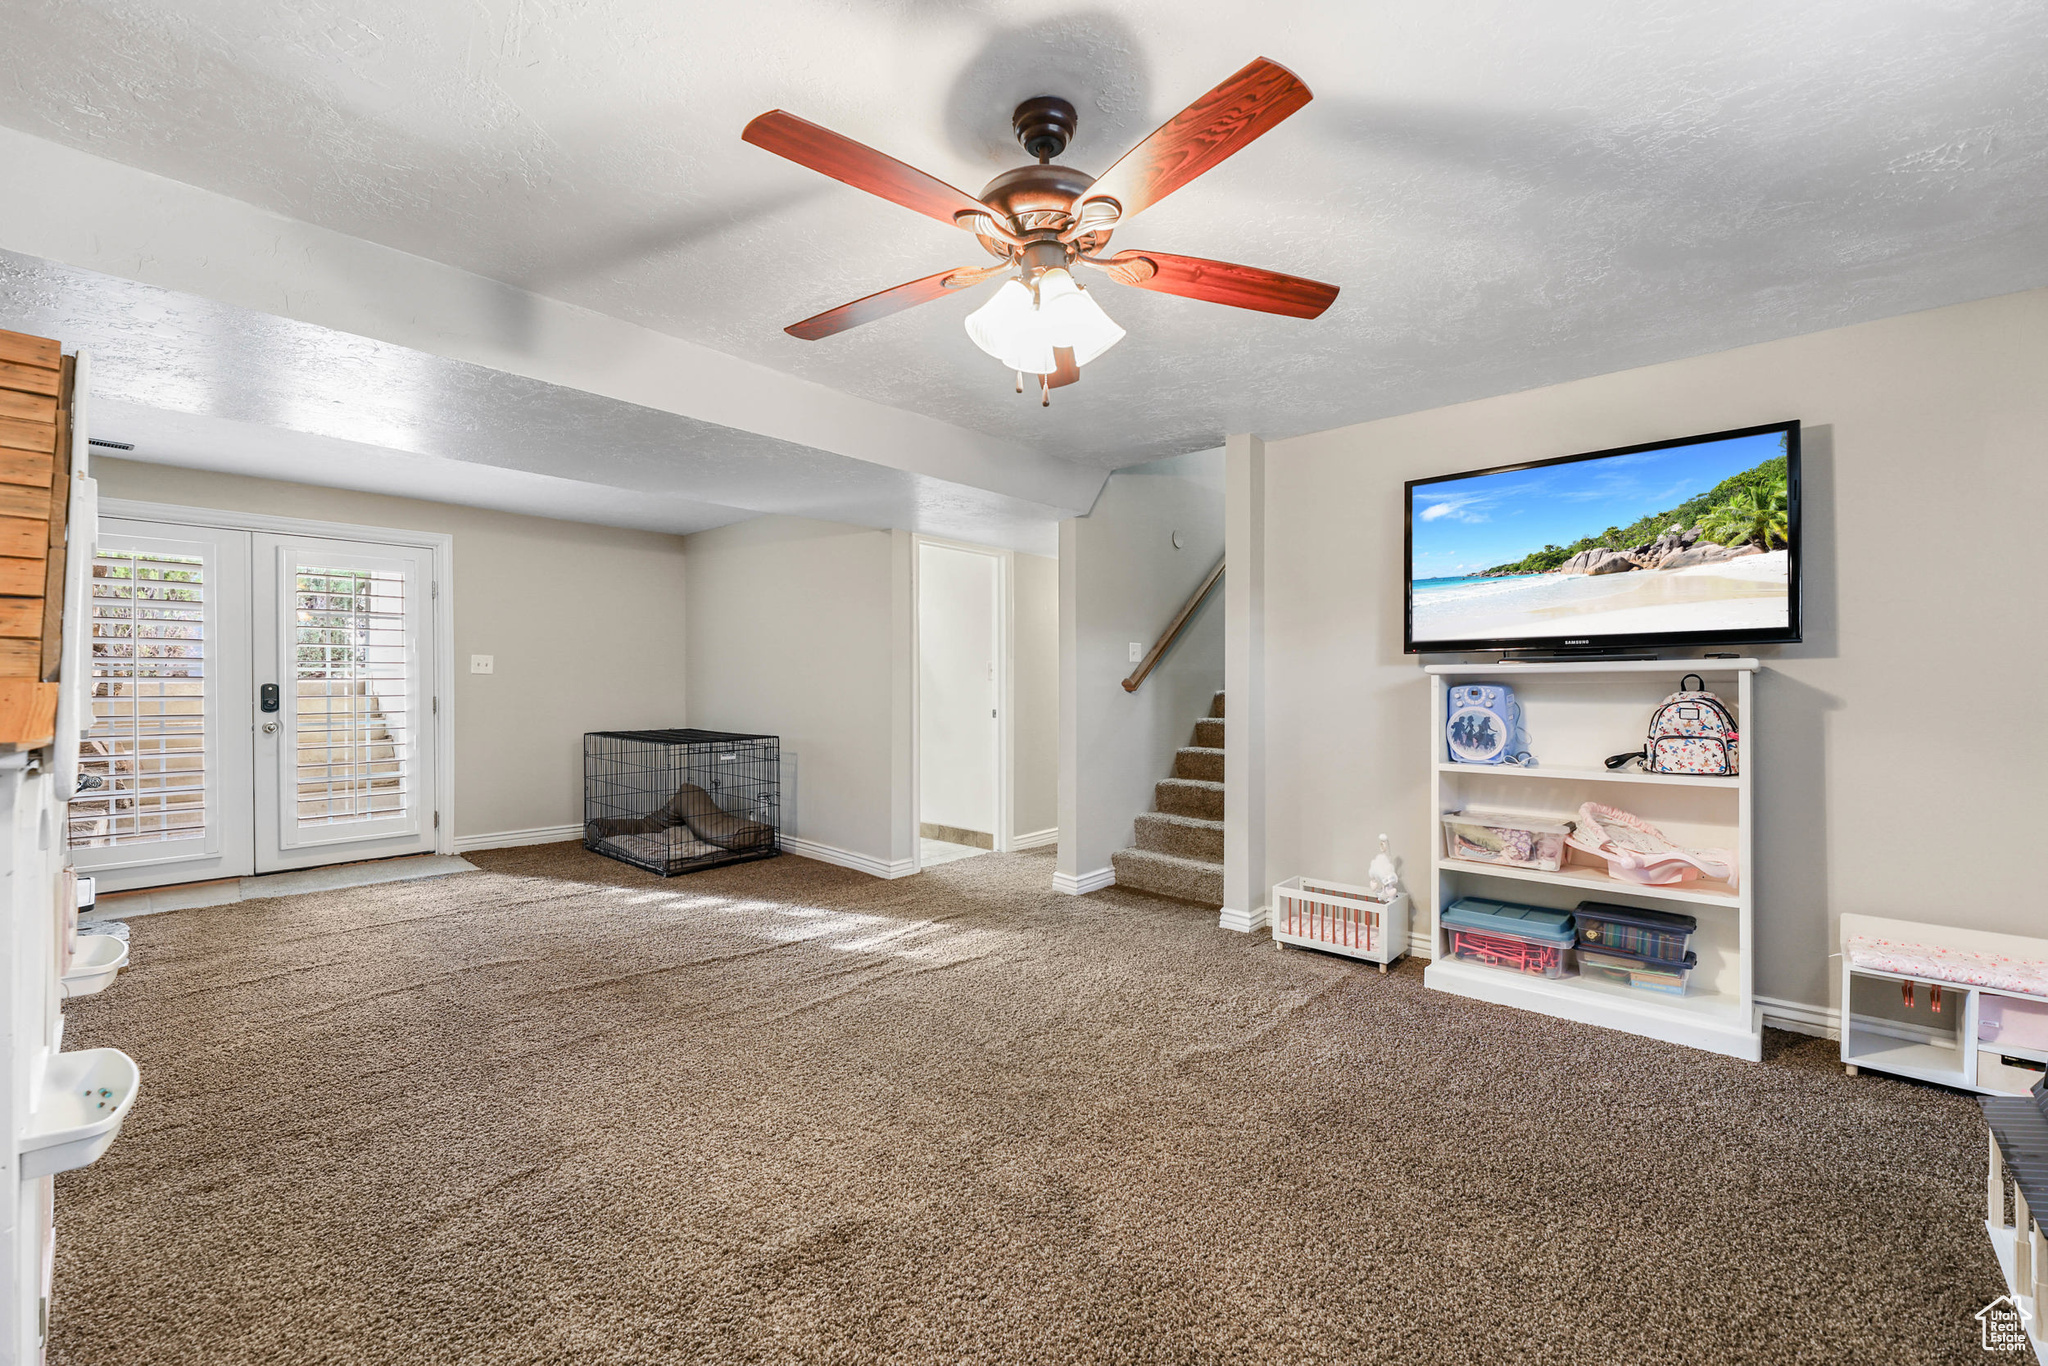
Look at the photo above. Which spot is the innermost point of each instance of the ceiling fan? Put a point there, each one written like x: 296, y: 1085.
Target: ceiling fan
x: 1040, y: 221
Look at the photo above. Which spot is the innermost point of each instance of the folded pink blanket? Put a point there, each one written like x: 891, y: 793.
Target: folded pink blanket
x: 1971, y: 968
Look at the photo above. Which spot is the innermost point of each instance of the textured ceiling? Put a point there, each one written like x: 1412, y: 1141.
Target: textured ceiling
x: 192, y: 382
x: 1509, y: 194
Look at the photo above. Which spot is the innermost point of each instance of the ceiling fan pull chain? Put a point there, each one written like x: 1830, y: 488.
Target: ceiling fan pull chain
x: 1044, y: 392
x: 1020, y: 381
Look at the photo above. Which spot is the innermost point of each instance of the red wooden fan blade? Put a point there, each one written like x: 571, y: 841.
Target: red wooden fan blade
x: 1064, y: 370
x: 860, y: 166
x: 887, y: 301
x: 1220, y: 282
x: 1222, y: 122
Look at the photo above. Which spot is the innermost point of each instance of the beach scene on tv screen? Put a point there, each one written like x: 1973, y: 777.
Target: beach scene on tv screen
x: 1692, y: 538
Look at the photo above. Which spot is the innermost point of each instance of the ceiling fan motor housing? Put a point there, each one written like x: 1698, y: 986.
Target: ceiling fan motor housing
x: 1040, y: 201
x: 1045, y: 125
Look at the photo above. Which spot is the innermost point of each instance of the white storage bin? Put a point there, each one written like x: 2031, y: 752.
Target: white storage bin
x: 1336, y: 917
x: 85, y: 1098
x: 1498, y: 837
x: 2012, y: 1021
x: 94, y: 964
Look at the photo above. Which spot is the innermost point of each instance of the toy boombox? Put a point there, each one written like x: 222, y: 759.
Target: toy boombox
x: 1483, y: 725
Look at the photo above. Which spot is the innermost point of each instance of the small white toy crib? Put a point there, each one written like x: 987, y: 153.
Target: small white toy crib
x: 1316, y: 913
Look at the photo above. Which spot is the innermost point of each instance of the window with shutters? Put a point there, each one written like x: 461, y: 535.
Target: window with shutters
x: 147, y: 746
x: 351, y: 694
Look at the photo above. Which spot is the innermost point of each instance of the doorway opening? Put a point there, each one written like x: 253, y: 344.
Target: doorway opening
x: 962, y: 782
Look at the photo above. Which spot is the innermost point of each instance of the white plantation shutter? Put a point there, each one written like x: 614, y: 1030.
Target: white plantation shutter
x: 148, y: 742
x: 351, y: 683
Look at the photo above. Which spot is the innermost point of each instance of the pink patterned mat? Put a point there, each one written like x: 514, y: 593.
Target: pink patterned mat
x: 1996, y: 970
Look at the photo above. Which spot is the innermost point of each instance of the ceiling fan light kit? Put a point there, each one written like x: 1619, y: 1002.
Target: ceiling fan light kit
x: 1041, y: 221
x: 1023, y: 326
x: 1007, y: 327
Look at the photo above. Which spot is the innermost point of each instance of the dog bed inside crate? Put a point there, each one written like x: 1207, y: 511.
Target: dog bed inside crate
x: 677, y: 801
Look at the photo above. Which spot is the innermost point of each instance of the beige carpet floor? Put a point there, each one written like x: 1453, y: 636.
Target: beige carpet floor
x: 561, y: 1111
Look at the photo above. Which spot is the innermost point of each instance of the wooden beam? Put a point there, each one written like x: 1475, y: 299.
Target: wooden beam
x: 59, y: 529
x: 22, y: 578
x: 25, y: 467
x: 18, y: 435
x: 29, y: 379
x: 23, y: 349
x: 21, y: 619
x: 28, y: 713
x: 21, y: 659
x: 51, y: 628
x: 19, y: 500
x: 28, y: 407
x: 24, y: 538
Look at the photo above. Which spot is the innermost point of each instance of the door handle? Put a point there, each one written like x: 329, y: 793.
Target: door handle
x: 270, y: 727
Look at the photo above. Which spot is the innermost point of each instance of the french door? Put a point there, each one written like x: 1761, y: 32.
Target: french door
x: 261, y: 702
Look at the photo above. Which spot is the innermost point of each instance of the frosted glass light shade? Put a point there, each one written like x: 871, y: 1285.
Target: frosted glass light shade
x: 1021, y: 331
x: 1072, y: 318
x: 1008, y: 327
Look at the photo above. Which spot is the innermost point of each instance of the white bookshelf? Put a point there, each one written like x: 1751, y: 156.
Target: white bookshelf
x: 1577, y: 714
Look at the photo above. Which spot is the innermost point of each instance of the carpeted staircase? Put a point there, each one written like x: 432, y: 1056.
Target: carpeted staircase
x: 1180, y: 846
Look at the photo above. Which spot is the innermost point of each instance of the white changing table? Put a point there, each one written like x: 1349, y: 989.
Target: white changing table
x: 1947, y: 1054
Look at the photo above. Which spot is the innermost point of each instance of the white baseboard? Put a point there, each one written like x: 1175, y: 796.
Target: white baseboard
x: 1244, y: 922
x: 1824, y: 1022
x: 823, y: 853
x: 514, y: 839
x: 846, y: 858
x: 1419, y: 945
x: 1085, y: 883
x: 1037, y: 839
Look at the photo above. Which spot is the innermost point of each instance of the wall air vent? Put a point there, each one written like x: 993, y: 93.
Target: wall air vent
x: 106, y: 445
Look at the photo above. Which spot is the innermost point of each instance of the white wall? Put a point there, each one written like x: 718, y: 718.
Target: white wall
x: 958, y: 724
x: 1035, y: 693
x: 585, y: 623
x: 801, y: 629
x: 31, y: 854
x: 1884, y: 784
x: 1122, y: 580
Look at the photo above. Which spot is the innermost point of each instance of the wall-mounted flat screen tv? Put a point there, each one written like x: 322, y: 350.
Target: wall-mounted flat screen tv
x: 1689, y: 542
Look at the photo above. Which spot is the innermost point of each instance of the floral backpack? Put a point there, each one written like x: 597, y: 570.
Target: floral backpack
x: 1692, y: 731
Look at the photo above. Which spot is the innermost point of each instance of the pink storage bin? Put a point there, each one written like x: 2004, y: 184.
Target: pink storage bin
x: 2014, y: 1023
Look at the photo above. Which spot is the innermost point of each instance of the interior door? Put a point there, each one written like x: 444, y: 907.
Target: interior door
x: 164, y: 768
x: 345, y: 706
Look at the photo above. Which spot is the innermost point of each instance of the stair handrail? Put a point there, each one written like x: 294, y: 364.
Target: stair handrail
x: 1172, y: 632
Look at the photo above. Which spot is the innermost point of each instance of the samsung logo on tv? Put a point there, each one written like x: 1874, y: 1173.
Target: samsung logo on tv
x: 1587, y: 641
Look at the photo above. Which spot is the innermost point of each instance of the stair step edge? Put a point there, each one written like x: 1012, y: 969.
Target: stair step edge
x: 1178, y: 860
x: 1175, y: 818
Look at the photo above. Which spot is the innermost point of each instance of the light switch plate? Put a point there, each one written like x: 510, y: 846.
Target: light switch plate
x: 1137, y: 652
x: 483, y: 664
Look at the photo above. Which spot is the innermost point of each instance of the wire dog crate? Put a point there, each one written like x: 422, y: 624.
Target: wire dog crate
x: 676, y: 801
